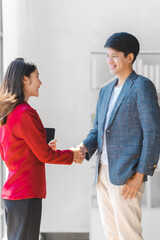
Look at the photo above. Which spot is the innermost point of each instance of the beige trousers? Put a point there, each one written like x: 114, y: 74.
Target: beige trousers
x: 121, y: 219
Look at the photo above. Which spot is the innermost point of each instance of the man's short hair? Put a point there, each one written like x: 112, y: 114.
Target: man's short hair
x: 124, y: 42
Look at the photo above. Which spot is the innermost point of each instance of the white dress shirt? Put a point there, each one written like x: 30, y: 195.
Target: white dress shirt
x: 113, y: 99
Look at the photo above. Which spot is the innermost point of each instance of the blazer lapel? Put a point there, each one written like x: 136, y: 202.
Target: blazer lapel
x: 127, y: 85
x: 107, y: 99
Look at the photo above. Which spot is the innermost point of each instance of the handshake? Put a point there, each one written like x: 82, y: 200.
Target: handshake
x: 79, y: 152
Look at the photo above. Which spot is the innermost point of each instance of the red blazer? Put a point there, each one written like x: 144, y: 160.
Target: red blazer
x: 24, y: 149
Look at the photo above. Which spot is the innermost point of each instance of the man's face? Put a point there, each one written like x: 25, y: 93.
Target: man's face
x: 117, y: 62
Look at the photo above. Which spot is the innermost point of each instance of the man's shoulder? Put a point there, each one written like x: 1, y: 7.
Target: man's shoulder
x: 109, y: 85
x: 142, y: 81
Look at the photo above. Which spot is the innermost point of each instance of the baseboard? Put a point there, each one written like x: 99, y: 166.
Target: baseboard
x: 64, y: 236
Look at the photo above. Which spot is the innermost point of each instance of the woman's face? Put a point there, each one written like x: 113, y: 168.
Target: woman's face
x: 31, y: 85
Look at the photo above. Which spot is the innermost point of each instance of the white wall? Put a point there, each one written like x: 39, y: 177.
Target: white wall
x: 59, y: 36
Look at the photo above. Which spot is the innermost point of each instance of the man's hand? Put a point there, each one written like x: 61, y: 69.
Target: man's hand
x: 78, y: 155
x: 132, y: 186
x: 82, y: 147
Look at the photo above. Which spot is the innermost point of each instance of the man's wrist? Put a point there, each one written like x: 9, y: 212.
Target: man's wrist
x: 140, y: 176
x: 84, y: 148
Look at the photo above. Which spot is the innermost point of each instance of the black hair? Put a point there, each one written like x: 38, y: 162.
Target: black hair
x: 124, y: 42
x: 11, y: 91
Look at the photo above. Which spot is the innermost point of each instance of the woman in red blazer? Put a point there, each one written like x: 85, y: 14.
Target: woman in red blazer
x: 24, y: 150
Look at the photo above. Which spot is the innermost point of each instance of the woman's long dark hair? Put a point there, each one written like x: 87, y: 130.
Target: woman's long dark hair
x: 11, y: 90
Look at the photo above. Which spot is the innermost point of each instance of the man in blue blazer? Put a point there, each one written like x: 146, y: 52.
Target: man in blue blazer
x: 126, y: 135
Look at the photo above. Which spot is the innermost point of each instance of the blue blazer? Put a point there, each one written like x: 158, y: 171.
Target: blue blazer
x: 133, y: 131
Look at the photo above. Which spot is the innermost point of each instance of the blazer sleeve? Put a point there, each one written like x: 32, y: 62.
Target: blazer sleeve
x: 30, y: 128
x: 149, y: 115
x: 91, y: 140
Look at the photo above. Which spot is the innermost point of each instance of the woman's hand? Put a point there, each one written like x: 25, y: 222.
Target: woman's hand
x: 52, y: 144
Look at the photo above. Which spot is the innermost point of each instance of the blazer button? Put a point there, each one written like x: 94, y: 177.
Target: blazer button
x: 155, y: 165
x: 108, y: 131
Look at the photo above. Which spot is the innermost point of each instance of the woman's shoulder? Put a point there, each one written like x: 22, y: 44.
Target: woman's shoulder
x: 22, y: 109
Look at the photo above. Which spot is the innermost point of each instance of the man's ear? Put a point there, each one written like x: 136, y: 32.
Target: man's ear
x: 130, y: 57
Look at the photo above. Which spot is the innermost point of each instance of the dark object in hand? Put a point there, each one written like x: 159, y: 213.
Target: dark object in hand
x: 50, y: 133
